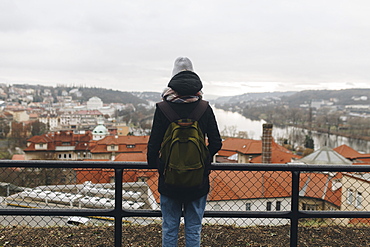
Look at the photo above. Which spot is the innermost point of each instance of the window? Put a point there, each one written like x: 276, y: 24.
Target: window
x: 40, y: 146
x: 278, y: 206
x: 358, y: 200
x: 130, y: 146
x: 268, y: 206
x: 309, y: 207
x: 248, y: 206
x: 112, y: 148
x: 349, y: 196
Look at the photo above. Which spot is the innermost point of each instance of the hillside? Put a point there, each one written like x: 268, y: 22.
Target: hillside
x: 251, y: 97
x: 293, y: 98
x: 106, y: 95
x: 150, y: 96
x: 342, y: 97
x: 111, y: 96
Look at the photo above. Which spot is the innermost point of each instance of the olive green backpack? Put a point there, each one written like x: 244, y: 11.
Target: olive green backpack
x: 183, y: 150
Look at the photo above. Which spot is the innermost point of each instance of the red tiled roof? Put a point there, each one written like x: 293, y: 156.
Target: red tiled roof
x: 6, y: 113
x: 351, y: 154
x: 18, y: 157
x: 319, y: 186
x: 130, y: 140
x: 53, y: 139
x: 347, y: 151
x: 139, y: 157
x: 246, y: 146
x: 278, y: 157
x: 89, y: 112
x: 231, y: 185
x: 126, y: 144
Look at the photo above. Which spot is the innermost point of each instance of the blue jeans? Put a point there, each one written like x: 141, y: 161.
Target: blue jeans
x: 171, y: 214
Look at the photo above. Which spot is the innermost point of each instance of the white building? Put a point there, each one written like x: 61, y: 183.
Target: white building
x: 94, y: 103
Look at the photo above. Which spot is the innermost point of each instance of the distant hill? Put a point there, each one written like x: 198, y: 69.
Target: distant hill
x: 342, y: 97
x: 150, y: 96
x: 251, y: 96
x: 106, y: 95
x: 111, y: 96
x: 293, y: 98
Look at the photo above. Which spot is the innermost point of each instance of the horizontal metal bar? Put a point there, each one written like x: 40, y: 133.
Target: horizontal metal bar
x: 73, y: 164
x: 48, y: 212
x: 289, y: 167
x: 215, y: 166
x: 334, y: 214
x: 93, y: 212
x: 211, y: 214
x: 247, y: 214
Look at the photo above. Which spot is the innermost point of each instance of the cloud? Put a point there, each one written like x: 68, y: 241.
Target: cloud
x: 235, y: 45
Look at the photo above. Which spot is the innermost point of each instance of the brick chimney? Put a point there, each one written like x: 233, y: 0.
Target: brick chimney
x: 266, y: 143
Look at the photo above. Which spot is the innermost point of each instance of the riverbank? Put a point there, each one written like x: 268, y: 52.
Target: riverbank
x: 234, y: 122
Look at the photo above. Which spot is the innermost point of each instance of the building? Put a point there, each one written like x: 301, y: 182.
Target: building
x: 111, y: 146
x: 59, y: 145
x: 355, y: 195
x: 94, y: 103
x: 255, y: 151
x: 268, y: 191
x: 352, y: 154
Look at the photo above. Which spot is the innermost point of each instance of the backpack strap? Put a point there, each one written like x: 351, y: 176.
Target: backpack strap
x: 170, y: 113
x: 198, y: 112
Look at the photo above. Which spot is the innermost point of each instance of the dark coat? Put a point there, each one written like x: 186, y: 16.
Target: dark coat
x: 208, y: 126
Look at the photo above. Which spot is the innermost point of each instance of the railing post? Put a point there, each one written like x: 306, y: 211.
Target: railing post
x: 294, y: 209
x: 118, y: 208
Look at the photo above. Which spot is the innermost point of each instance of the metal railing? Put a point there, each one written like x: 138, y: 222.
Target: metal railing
x: 294, y: 214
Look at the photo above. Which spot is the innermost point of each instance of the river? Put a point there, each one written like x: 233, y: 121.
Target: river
x: 232, y: 121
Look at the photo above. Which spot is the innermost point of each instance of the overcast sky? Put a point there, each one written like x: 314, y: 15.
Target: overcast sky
x: 237, y: 46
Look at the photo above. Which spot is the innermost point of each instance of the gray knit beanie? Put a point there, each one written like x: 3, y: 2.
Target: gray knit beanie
x: 181, y: 64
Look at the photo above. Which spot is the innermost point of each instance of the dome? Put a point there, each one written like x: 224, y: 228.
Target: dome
x: 100, y: 130
x: 94, y: 103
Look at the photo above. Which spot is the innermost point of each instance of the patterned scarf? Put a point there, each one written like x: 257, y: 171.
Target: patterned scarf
x: 170, y: 95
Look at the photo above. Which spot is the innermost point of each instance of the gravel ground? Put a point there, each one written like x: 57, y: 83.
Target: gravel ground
x: 212, y: 235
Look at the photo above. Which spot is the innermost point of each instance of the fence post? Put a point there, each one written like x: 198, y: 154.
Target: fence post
x: 118, y: 208
x: 294, y: 209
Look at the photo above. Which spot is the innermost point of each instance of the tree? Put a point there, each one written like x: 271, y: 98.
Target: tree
x: 243, y: 134
x: 18, y: 135
x: 38, y: 128
x: 229, y: 131
x: 308, y: 143
x: 4, y: 129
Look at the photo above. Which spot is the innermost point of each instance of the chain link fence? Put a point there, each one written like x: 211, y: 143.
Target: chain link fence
x: 288, y: 201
